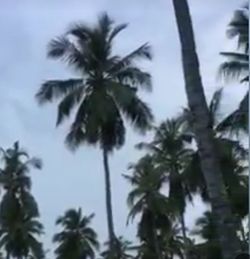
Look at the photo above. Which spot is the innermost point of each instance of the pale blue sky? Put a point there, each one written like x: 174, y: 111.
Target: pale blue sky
x: 71, y: 180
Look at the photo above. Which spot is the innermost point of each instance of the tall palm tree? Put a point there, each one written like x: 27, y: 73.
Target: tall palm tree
x: 104, y: 93
x: 237, y: 68
x: 77, y: 240
x: 147, y: 200
x: 204, y: 133
x: 19, y: 226
x: 172, y: 155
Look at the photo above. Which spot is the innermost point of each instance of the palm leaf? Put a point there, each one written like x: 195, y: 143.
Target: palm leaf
x: 54, y: 89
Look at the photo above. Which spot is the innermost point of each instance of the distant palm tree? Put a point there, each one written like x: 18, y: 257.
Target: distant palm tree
x: 237, y: 68
x: 15, y: 180
x: 19, y: 237
x: 204, y: 133
x: 104, y: 93
x: 206, y: 229
x: 77, y: 240
x: 232, y: 156
x: 171, y: 154
x: 19, y: 226
x: 147, y: 200
x: 123, y: 250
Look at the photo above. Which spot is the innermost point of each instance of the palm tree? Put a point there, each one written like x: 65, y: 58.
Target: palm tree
x: 204, y: 133
x: 123, y: 250
x: 19, y: 237
x: 104, y: 93
x: 77, y: 239
x: 147, y: 200
x: 19, y: 226
x: 16, y: 182
x: 237, y: 68
x: 232, y: 157
x: 205, y: 229
x: 172, y: 155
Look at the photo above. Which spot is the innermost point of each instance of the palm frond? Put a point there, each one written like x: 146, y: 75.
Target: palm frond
x: 68, y: 51
x: 54, y: 89
x: 105, y: 24
x: 143, y: 52
x: 135, y: 77
x: 134, y: 109
x: 35, y: 162
x: 116, y: 31
x: 235, y: 56
x: 232, y: 70
x: 68, y: 103
x: 238, y: 120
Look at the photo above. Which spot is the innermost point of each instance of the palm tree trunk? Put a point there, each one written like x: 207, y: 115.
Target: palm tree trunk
x: 242, y: 231
x: 156, y: 242
x: 226, y: 224
x: 184, y: 234
x: 108, y: 199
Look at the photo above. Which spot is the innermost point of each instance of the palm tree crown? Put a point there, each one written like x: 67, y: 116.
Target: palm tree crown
x: 77, y: 239
x: 19, y: 226
x: 106, y: 89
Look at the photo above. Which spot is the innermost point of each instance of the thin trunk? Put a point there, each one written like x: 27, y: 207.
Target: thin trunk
x: 156, y: 242
x: 242, y: 231
x: 225, y: 222
x: 184, y: 234
x: 108, y: 200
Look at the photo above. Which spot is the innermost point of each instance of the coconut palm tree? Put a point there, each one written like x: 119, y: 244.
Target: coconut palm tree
x: 204, y: 133
x: 172, y: 155
x: 19, y: 225
x: 232, y: 157
x: 123, y: 250
x: 147, y: 200
x: 237, y: 68
x: 76, y: 239
x: 205, y: 229
x: 104, y: 93
x: 170, y: 242
x: 18, y: 237
x: 16, y: 182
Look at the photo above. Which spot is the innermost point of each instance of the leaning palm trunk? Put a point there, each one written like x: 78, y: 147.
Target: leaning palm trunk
x: 226, y: 225
x: 108, y: 200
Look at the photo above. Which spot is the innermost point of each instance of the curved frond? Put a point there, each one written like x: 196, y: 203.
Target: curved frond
x: 68, y: 51
x: 233, y: 70
x: 143, y: 52
x: 54, y: 89
x: 116, y: 31
x: 135, y: 110
x: 68, y: 103
x: 35, y: 162
x: 134, y: 77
